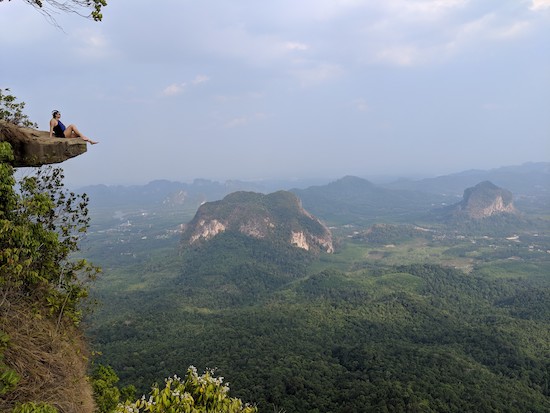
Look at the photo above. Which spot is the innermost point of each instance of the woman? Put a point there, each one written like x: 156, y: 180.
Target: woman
x: 59, y: 130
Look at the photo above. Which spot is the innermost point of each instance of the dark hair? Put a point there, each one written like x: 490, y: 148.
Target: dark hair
x: 54, y: 112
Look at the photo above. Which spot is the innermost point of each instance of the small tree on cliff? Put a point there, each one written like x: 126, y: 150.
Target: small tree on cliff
x: 41, y: 285
x: 85, y: 8
x: 40, y: 226
x: 12, y: 111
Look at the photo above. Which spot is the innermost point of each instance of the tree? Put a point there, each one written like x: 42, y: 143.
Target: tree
x: 107, y: 395
x: 80, y: 7
x: 40, y: 227
x: 194, y: 394
x: 12, y: 111
x: 41, y: 284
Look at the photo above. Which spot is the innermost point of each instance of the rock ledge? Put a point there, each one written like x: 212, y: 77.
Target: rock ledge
x: 33, y: 147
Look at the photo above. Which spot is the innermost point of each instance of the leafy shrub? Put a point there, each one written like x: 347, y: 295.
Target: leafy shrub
x: 35, y: 408
x: 12, y: 111
x: 194, y: 394
x: 40, y: 226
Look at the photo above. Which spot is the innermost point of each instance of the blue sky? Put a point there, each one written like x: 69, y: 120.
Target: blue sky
x: 242, y: 89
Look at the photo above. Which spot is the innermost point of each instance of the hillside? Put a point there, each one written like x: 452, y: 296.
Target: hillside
x: 353, y: 200
x: 489, y: 209
x: 399, y: 318
x: 529, y: 179
x: 405, y: 338
x: 278, y: 217
x: 43, y: 356
x: 483, y: 200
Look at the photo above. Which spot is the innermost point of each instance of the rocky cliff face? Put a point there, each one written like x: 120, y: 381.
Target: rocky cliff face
x: 32, y: 147
x: 278, y: 216
x: 484, y: 200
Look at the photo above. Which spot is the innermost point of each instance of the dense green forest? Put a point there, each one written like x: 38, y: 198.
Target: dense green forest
x: 368, y: 329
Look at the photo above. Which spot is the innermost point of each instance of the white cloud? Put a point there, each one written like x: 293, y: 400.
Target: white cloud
x: 433, y: 8
x: 178, y: 88
x: 540, y: 5
x: 296, y: 46
x: 200, y: 79
x: 91, y: 44
x: 174, y: 89
x: 470, y: 33
x: 511, y: 31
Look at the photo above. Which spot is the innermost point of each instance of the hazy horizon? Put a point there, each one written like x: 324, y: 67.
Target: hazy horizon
x: 300, y: 182
x: 181, y: 90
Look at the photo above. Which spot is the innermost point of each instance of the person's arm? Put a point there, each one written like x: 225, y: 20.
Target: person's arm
x: 52, y: 125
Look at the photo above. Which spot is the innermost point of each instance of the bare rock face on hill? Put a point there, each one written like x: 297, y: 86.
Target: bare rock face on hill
x: 32, y: 147
x: 278, y: 217
x: 484, y: 200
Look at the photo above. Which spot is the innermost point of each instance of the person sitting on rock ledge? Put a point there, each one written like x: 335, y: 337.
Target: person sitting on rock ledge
x: 59, y: 130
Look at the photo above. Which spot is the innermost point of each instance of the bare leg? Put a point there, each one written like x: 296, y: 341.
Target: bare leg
x: 72, y: 132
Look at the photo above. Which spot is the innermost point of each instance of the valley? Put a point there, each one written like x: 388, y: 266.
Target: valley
x: 405, y: 315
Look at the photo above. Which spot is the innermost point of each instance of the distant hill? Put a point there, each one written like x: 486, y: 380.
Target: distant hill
x: 524, y: 180
x: 482, y: 201
x: 356, y: 200
x: 277, y: 217
x: 247, y: 245
x: 486, y: 208
x: 168, y: 193
x: 344, y: 200
x: 164, y: 193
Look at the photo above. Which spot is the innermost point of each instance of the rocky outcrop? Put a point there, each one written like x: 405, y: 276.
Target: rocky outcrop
x: 278, y: 217
x: 485, y: 200
x: 32, y: 147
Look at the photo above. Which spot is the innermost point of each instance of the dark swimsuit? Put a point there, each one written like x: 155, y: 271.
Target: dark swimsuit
x: 59, y: 130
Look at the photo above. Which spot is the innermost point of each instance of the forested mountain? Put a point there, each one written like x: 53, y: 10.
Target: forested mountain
x: 277, y: 217
x: 420, y: 338
x: 356, y: 200
x: 484, y: 200
x: 400, y: 318
x: 349, y: 197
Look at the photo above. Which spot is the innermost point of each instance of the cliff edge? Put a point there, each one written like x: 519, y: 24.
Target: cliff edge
x: 33, y: 147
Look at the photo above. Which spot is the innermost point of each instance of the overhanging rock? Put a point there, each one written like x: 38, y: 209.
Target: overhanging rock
x: 33, y: 147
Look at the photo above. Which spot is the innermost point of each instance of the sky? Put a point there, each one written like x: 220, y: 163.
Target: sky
x: 287, y: 89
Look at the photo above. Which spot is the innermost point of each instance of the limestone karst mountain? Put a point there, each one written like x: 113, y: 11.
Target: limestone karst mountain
x: 278, y: 217
x: 483, y: 201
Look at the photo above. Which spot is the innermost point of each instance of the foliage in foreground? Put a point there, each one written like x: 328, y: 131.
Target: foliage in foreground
x: 107, y: 394
x: 41, y: 290
x: 40, y: 226
x: 32, y: 407
x: 197, y: 394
